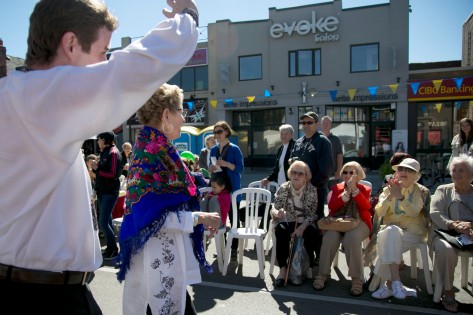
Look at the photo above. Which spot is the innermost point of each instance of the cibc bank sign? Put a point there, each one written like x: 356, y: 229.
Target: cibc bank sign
x: 322, y: 28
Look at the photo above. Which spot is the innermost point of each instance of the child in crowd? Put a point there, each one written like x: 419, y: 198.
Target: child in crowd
x: 219, y: 199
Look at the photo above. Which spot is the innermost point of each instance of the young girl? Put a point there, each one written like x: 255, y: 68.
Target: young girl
x: 219, y: 199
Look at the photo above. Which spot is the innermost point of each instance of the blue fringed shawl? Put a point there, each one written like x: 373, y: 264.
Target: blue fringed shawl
x: 158, y: 183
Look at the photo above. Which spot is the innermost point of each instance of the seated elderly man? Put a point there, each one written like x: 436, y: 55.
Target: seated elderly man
x: 451, y: 209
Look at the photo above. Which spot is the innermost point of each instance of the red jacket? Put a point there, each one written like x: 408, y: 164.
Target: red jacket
x: 362, y: 201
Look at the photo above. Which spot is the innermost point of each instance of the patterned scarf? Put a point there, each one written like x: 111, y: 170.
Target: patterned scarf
x: 158, y: 183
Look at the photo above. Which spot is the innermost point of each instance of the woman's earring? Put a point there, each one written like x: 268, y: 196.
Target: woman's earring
x: 164, y: 128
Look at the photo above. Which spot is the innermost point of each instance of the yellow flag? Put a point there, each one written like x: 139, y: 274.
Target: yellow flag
x: 352, y: 93
x: 349, y: 114
x: 438, y: 106
x: 437, y: 84
x: 250, y: 98
x: 213, y: 103
x: 394, y: 87
x: 471, y: 103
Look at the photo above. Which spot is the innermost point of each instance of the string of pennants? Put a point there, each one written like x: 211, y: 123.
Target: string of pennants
x: 351, y: 93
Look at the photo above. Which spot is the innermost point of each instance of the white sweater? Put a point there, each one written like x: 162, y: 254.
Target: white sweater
x: 45, y: 115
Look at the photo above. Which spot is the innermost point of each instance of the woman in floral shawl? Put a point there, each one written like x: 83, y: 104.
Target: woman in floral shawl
x: 155, y: 247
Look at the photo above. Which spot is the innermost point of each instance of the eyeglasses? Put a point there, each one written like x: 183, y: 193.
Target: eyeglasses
x: 405, y: 169
x: 218, y: 132
x: 348, y: 172
x: 183, y: 111
x: 294, y: 173
x: 307, y: 123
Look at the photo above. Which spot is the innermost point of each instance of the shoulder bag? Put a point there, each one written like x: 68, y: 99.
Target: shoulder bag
x: 344, y: 220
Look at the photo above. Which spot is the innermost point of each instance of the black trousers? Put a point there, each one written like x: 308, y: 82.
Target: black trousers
x: 27, y: 298
x: 283, y: 233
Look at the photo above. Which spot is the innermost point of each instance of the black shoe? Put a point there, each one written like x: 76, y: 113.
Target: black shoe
x: 316, y: 261
x: 234, y: 254
x: 110, y: 254
x: 279, y: 283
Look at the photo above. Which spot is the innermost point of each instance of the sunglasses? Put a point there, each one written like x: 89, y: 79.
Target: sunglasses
x: 405, y: 169
x: 294, y: 173
x: 307, y: 123
x: 348, y: 172
x: 218, y: 132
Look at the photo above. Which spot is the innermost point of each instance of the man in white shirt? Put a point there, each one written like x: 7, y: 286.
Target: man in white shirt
x: 49, y: 243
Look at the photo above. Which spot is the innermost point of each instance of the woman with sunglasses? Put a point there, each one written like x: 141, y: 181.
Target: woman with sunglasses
x: 351, y: 174
x: 229, y: 160
x: 403, y: 207
x: 452, y: 209
x: 295, y: 203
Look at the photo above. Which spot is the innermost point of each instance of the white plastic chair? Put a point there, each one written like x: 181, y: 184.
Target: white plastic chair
x: 464, y: 259
x: 273, y: 187
x: 252, y: 197
x: 219, y: 238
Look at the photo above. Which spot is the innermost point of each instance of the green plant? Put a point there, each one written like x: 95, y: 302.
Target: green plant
x: 385, y: 168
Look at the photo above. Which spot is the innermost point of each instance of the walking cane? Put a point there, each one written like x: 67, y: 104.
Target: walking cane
x: 291, y: 247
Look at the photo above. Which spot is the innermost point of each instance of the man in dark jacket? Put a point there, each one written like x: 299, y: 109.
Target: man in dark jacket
x: 107, y: 186
x: 316, y: 150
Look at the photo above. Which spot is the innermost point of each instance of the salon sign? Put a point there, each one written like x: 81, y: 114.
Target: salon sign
x: 322, y: 28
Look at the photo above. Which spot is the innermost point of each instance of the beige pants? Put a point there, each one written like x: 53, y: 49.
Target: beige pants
x: 446, y: 259
x: 392, y: 242
x: 351, y: 242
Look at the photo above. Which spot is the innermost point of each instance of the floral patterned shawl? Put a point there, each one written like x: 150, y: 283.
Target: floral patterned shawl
x: 158, y: 183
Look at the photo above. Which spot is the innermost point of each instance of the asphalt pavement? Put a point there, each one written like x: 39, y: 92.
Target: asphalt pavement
x: 242, y: 290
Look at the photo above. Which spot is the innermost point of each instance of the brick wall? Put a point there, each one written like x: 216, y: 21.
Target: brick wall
x: 3, y: 60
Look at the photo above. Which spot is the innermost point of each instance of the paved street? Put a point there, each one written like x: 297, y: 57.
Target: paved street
x: 243, y: 291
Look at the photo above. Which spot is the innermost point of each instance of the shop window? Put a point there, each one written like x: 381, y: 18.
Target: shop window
x: 304, y: 63
x: 250, y: 68
x: 364, y: 58
x: 192, y: 79
x: 434, y: 126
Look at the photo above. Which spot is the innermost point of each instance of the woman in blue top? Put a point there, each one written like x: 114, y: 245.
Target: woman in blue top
x: 230, y: 159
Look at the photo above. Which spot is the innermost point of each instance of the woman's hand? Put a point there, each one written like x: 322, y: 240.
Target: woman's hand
x: 463, y: 227
x: 298, y: 232
x: 395, y: 188
x: 351, y: 184
x: 210, y: 220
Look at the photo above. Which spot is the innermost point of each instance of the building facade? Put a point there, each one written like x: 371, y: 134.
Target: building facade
x: 350, y: 64
x: 467, y: 53
x: 3, y: 60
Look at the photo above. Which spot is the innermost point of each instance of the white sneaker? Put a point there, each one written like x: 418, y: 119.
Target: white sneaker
x: 398, y: 290
x: 382, y: 293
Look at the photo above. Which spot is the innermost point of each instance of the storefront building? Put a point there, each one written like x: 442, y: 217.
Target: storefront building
x: 350, y: 64
x: 438, y: 100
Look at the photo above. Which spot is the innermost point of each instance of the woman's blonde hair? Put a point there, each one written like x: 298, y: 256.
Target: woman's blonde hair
x: 359, y: 170
x: 167, y: 96
x: 308, y: 173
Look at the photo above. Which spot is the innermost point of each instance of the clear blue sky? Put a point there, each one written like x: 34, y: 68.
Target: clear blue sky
x: 435, y: 25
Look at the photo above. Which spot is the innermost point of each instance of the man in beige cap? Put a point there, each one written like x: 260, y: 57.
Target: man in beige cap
x: 316, y: 150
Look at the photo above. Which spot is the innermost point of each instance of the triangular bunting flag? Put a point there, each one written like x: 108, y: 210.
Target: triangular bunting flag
x: 349, y: 114
x: 250, y: 98
x: 191, y: 106
x: 437, y: 84
x: 438, y: 106
x: 394, y: 87
x: 351, y: 93
x: 213, y: 103
x: 471, y: 103
x: 372, y: 90
x: 267, y: 93
x: 415, y: 87
x: 423, y: 108
x: 229, y: 101
x: 458, y: 82
x: 333, y: 94
x: 458, y: 104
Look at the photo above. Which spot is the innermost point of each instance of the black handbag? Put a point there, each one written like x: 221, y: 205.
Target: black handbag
x: 454, y: 238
